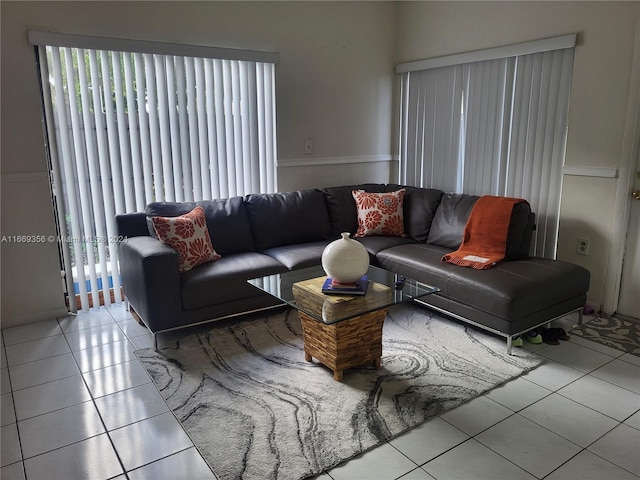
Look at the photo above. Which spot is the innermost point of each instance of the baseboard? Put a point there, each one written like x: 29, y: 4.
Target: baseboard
x: 18, y: 320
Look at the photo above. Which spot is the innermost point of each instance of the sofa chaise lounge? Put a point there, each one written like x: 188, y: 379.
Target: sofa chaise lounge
x: 265, y: 234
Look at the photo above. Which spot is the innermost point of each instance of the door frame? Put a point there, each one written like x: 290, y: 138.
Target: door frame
x: 627, y: 172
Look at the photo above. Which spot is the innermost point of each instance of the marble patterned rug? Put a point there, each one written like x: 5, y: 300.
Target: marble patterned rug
x: 619, y: 332
x: 256, y: 409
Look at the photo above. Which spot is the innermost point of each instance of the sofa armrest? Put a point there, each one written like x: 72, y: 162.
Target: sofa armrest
x: 132, y: 224
x: 151, y: 281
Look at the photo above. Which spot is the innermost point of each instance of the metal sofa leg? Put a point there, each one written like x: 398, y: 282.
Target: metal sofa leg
x: 509, y: 344
x: 580, y: 315
x: 154, y: 341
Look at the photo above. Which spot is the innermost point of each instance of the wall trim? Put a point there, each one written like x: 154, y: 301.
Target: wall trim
x: 28, y: 177
x: 583, y: 171
x: 310, y: 161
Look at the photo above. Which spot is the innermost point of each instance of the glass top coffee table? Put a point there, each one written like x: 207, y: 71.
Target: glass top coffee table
x: 342, y: 331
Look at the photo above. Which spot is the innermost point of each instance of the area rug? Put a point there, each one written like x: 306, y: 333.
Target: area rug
x: 255, y: 409
x: 619, y: 332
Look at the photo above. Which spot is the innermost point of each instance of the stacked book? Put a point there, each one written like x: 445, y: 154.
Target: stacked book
x: 359, y: 287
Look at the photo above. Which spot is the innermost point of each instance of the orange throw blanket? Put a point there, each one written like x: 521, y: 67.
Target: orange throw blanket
x: 485, y: 235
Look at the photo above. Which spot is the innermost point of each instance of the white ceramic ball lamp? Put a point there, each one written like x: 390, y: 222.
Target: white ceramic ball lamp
x: 345, y: 260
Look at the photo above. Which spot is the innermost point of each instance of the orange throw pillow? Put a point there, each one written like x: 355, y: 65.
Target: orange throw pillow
x: 187, y: 235
x: 380, y: 213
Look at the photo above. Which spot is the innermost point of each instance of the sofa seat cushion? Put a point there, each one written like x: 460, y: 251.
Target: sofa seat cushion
x: 225, y: 280
x: 377, y: 243
x: 511, y: 290
x: 301, y: 255
x: 419, y: 261
x: 516, y: 289
x: 279, y: 219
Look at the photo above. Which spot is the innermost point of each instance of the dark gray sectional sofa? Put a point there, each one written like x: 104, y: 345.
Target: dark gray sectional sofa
x: 264, y: 234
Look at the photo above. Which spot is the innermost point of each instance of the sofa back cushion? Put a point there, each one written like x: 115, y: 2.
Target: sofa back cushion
x: 420, y: 205
x: 453, y: 212
x: 279, y: 219
x: 341, y: 206
x: 450, y: 219
x: 227, y: 222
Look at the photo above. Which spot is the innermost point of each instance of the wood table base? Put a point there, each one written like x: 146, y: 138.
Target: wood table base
x: 346, y: 344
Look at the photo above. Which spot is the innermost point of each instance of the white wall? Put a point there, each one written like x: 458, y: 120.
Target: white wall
x: 334, y: 85
x: 599, y: 98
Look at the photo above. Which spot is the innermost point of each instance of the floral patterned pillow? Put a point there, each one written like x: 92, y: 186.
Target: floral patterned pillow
x: 187, y: 235
x: 379, y: 213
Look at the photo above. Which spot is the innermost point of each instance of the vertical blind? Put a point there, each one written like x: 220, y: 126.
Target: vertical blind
x: 126, y: 128
x: 496, y: 126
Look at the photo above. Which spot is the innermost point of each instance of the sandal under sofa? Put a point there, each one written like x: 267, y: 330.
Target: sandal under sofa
x: 266, y: 234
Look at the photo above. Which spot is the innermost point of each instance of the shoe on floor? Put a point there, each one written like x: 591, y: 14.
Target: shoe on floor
x: 517, y: 342
x: 533, y: 337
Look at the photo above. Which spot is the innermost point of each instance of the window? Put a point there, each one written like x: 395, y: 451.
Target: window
x: 131, y: 122
x: 492, y: 122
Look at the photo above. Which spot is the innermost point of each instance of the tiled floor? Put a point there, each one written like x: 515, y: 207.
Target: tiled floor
x: 77, y: 404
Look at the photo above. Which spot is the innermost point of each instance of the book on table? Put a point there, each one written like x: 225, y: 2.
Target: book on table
x: 359, y: 287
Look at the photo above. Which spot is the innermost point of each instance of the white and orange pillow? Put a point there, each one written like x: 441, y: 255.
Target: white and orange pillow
x: 380, y: 213
x: 188, y: 236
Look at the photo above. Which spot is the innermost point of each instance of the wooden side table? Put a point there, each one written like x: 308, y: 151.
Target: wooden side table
x: 345, y: 344
x: 342, y: 344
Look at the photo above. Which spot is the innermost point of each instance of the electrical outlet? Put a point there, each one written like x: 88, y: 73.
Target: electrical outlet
x: 583, y: 246
x: 308, y: 146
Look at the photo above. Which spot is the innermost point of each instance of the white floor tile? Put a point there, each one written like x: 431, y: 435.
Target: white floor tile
x: 598, y: 347
x: 30, y: 332
x: 518, y: 394
x: 576, y: 356
x: 118, y: 312
x: 472, y: 460
x: 37, y: 350
x: 553, y: 375
x: 94, y: 336
x: 6, y: 409
x: 417, y: 474
x: 103, y: 356
x: 586, y: 465
x: 149, y: 440
x: 92, y: 458
x: 569, y: 419
x: 634, y: 420
x: 627, y: 357
x: 9, y: 445
x: 620, y: 446
x: 6, y: 383
x: 532, y: 447
x: 603, y: 397
x: 382, y: 463
x: 51, y: 396
x: 30, y: 374
x: 622, y: 374
x: 15, y: 471
x: 131, y: 405
x: 142, y: 341
x: 93, y: 318
x: 477, y: 415
x: 187, y: 464
x: 3, y: 357
x: 60, y: 428
x: 116, y: 378
x: 428, y: 440
x: 131, y: 328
